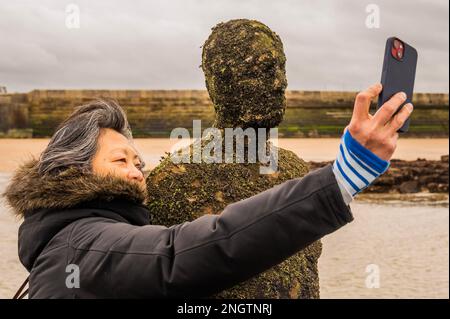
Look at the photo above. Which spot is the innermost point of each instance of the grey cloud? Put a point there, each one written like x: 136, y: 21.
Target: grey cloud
x: 156, y: 44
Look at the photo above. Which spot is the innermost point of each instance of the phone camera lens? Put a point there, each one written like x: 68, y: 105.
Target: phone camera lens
x: 397, y: 49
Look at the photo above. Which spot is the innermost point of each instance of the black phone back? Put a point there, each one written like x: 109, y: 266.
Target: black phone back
x: 399, y: 71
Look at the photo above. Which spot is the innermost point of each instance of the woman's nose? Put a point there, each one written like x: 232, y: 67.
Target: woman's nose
x: 135, y: 173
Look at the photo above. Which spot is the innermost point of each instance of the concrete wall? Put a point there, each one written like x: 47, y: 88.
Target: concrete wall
x: 14, y: 116
x: 155, y: 113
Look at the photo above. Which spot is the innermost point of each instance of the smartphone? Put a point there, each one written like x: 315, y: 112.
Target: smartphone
x: 399, y: 72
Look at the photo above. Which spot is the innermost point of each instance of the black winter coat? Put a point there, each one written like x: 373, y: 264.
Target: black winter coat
x: 100, y: 225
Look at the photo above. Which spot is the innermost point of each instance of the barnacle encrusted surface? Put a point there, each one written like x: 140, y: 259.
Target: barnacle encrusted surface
x: 244, y: 66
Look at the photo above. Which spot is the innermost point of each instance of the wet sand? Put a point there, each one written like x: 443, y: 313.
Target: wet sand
x: 12, y: 273
x: 406, y: 243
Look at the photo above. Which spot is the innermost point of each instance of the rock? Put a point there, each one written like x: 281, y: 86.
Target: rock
x: 437, y: 187
x: 409, y: 187
x: 408, y: 176
x: 385, y: 181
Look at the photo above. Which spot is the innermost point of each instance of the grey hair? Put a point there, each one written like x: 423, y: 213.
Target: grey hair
x: 74, y: 143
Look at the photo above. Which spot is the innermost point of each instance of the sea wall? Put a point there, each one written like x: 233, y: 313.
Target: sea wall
x: 154, y: 113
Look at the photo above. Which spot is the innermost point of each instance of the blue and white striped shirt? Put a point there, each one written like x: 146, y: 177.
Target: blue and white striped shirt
x: 356, y: 167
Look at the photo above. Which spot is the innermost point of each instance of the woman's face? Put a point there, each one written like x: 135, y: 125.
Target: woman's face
x: 116, y: 155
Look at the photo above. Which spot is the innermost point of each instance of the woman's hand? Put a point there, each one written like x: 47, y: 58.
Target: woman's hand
x: 378, y: 132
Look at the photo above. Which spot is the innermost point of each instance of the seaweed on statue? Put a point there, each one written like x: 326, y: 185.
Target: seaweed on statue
x: 244, y: 66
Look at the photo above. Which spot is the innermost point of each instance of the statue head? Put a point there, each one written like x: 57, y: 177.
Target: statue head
x: 244, y: 66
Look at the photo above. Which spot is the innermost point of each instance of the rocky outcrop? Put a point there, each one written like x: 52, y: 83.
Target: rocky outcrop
x: 405, y: 177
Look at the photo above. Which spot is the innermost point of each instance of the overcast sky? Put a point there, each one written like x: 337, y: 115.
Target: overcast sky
x: 156, y: 44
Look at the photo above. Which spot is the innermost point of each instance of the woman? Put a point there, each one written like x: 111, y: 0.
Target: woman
x: 86, y: 231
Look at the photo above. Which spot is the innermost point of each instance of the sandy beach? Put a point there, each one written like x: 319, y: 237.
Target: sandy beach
x: 310, y: 149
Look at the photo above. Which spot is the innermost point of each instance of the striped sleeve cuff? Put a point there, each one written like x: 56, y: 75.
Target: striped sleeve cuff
x: 356, y: 167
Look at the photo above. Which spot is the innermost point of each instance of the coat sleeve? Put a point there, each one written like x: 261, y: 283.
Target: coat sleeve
x: 215, y: 252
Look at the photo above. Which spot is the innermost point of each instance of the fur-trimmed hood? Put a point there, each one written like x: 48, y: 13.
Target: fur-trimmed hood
x: 28, y: 191
x: 50, y: 203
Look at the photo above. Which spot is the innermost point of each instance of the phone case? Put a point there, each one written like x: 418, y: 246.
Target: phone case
x: 398, y: 75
